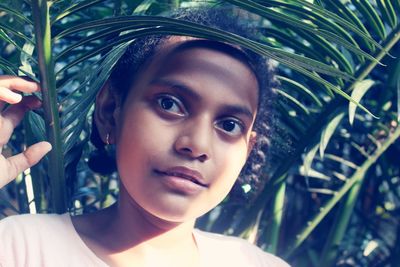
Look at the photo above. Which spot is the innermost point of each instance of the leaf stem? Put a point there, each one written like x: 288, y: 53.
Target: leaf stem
x: 50, y: 106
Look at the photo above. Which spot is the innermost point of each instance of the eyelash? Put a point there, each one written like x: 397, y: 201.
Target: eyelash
x: 182, y: 112
x: 174, y: 101
x: 238, y: 123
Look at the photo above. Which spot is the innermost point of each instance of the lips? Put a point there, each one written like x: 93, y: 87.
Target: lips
x: 184, y: 173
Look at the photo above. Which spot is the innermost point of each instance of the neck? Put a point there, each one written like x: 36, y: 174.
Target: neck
x: 129, y: 226
x: 126, y: 235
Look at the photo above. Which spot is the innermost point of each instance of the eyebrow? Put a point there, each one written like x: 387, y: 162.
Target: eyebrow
x: 232, y: 109
x: 174, y: 84
x: 237, y: 109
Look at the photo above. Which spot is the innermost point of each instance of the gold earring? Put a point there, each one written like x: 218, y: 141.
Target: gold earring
x: 108, y: 139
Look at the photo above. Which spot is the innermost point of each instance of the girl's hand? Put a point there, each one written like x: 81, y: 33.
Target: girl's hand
x: 10, y: 118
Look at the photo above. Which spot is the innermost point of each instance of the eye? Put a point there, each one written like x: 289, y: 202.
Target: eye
x: 232, y: 126
x: 171, y: 104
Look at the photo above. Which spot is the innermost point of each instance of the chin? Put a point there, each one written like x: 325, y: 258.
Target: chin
x: 180, y: 209
x: 174, y: 215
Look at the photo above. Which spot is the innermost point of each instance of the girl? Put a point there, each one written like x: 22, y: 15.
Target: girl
x: 183, y: 114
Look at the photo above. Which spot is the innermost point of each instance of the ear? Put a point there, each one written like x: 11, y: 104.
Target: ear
x: 107, y: 103
x: 252, y: 142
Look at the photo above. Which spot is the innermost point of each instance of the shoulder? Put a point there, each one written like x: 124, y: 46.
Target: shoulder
x: 23, y: 236
x: 30, y: 221
x: 17, y: 225
x: 42, y: 240
x: 27, y: 231
x: 34, y: 218
x: 236, y: 251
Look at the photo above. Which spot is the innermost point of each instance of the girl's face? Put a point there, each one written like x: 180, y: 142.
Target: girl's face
x: 185, y: 130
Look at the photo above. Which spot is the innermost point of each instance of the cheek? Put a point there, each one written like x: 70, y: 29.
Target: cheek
x: 234, y: 156
x: 137, y: 145
x: 231, y: 163
x: 137, y: 140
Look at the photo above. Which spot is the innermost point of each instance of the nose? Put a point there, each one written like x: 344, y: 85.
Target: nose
x: 194, y: 141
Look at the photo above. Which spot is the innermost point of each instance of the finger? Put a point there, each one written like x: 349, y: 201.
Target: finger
x: 8, y: 84
x: 18, y: 84
x: 13, y: 115
x: 9, y: 96
x: 28, y: 158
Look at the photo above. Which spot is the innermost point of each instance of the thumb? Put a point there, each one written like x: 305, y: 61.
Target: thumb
x: 28, y: 158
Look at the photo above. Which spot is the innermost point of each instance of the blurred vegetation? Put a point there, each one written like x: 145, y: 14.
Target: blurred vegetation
x: 333, y: 200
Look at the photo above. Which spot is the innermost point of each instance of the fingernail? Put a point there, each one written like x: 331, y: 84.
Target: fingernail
x: 16, y: 98
x: 32, y: 86
x: 49, y: 147
x: 10, y: 96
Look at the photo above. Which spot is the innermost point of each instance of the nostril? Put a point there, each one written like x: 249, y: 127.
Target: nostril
x: 190, y: 147
x: 190, y: 153
x: 186, y: 150
x: 203, y: 157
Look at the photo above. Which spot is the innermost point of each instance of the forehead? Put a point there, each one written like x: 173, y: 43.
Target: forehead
x: 211, y: 63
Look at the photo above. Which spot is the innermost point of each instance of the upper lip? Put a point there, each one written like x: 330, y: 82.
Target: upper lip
x: 186, y: 173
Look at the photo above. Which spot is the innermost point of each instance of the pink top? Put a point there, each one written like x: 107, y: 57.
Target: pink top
x: 51, y: 240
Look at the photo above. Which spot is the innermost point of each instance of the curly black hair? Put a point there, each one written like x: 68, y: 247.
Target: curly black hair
x: 143, y: 49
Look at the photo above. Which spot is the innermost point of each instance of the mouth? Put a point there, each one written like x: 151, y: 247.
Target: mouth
x: 184, y: 173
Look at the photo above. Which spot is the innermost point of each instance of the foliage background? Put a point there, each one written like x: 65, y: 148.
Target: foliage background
x: 332, y: 200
